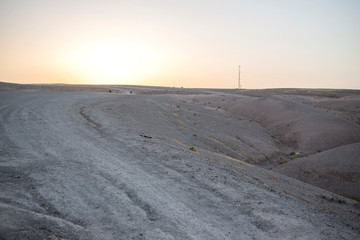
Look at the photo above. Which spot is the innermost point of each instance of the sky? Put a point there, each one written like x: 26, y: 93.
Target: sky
x: 188, y: 43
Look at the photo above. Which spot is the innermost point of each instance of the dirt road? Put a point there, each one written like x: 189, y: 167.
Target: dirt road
x: 89, y: 165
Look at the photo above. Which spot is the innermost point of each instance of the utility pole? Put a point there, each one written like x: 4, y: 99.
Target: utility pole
x: 239, y: 86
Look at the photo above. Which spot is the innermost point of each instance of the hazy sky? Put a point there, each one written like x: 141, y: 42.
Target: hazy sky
x: 189, y: 43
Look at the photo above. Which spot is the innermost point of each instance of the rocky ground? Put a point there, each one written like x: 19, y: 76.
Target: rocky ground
x: 117, y: 162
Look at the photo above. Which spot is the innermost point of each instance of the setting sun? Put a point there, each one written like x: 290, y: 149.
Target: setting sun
x: 113, y: 62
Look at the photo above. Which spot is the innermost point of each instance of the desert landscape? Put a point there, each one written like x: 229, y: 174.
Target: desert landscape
x: 136, y: 162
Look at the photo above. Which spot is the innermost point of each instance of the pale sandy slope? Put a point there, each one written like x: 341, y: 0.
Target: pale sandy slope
x: 119, y: 166
x: 337, y: 170
x: 299, y: 126
x: 306, y: 123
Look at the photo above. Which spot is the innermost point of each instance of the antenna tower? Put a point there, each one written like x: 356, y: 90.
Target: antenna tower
x: 239, y: 86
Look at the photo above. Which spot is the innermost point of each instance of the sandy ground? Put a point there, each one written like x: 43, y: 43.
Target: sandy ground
x: 305, y: 123
x: 163, y: 164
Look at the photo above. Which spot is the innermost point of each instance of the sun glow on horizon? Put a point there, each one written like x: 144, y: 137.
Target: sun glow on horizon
x: 113, y: 62
x: 308, y: 44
